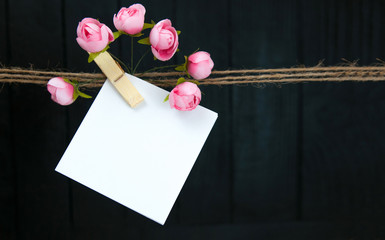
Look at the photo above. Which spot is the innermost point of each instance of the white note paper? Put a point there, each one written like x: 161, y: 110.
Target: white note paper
x: 138, y: 157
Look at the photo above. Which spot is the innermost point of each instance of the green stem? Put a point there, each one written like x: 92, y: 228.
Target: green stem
x: 141, y: 58
x: 132, y: 55
x: 162, y: 67
x: 121, y: 63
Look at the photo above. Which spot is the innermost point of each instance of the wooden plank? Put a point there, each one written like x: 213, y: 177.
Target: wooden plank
x: 207, y: 194
x: 39, y: 125
x: 272, y: 231
x: 155, y: 10
x: 343, y: 123
x: 265, y: 118
x: 82, y: 207
x: 7, y: 168
x: 94, y: 216
x: 378, y: 27
x: 37, y: 40
x: 3, y: 29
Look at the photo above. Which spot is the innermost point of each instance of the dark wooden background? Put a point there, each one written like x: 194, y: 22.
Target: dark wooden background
x: 303, y: 161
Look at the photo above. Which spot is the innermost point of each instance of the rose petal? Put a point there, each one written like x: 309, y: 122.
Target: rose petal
x: 187, y: 88
x: 171, y: 100
x: 110, y: 34
x: 93, y: 26
x: 199, y: 56
x: 139, y: 7
x: 154, y: 35
x: 211, y: 64
x: 64, y: 96
x: 91, y: 20
x: 180, y: 103
x: 199, y: 70
x: 166, y: 40
x: 155, y: 52
x: 133, y: 25
x: 164, y: 23
x: 57, y: 82
x: 117, y: 23
x: 51, y: 89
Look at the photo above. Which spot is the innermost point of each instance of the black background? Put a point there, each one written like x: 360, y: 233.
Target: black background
x: 297, y: 161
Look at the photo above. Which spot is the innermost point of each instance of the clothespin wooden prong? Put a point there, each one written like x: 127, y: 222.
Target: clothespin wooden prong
x: 118, y: 78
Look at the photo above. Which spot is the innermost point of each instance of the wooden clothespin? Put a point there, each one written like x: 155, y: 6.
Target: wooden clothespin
x: 118, y: 78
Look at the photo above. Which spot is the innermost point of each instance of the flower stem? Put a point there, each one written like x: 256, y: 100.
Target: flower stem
x: 141, y: 58
x: 132, y: 55
x: 157, y: 68
x: 121, y: 63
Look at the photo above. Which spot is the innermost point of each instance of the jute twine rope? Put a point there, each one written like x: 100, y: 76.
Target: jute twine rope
x: 226, y: 77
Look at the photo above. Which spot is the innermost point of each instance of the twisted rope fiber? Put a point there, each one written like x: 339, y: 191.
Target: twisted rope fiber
x: 226, y: 77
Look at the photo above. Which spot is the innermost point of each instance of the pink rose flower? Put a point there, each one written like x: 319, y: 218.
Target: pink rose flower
x: 199, y: 65
x: 93, y: 36
x: 61, y: 91
x: 185, y: 96
x: 130, y: 20
x: 164, y: 40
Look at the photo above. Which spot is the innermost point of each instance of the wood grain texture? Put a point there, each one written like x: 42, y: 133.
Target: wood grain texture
x: 343, y: 127
x: 39, y: 127
x: 94, y: 216
x: 108, y: 66
x: 265, y: 124
x: 8, y: 206
x: 207, y: 194
x: 278, y: 231
x: 155, y: 10
x: 8, y: 188
x: 282, y: 162
x: 35, y: 33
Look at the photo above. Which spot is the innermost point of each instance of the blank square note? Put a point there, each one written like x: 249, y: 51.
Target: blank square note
x: 138, y: 157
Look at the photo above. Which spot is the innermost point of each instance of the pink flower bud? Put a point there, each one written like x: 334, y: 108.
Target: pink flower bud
x: 199, y: 65
x: 185, y: 96
x: 164, y: 40
x: 130, y: 20
x: 93, y: 36
x: 61, y: 91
